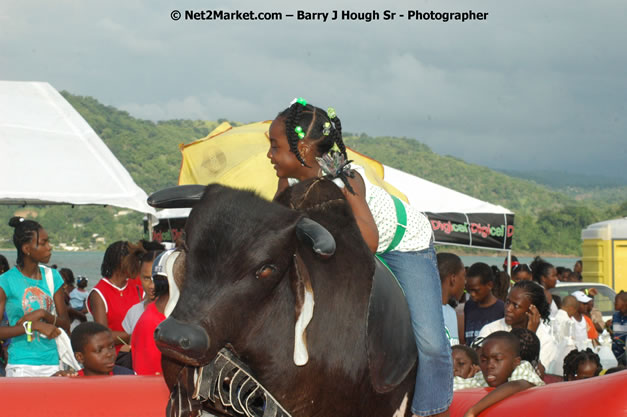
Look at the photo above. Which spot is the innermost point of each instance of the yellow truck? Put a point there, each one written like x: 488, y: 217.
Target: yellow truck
x: 605, y: 253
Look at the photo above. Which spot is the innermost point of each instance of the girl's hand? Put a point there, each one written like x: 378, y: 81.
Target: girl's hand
x: 33, y: 316
x: 533, y: 318
x: 470, y: 413
x: 65, y: 373
x: 46, y: 329
x: 473, y: 370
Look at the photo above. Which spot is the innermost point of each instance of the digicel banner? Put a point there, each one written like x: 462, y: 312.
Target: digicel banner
x: 473, y: 229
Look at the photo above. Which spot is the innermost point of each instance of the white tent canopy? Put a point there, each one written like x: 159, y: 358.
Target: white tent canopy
x: 52, y: 156
x: 427, y: 196
x: 424, y: 195
x: 456, y: 218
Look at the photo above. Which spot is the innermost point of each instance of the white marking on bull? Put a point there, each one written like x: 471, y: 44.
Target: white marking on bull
x: 400, y: 411
x: 173, y: 288
x: 301, y: 356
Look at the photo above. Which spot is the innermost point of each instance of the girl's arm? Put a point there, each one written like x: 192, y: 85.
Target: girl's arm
x: 7, y: 332
x: 97, y: 308
x: 62, y: 320
x: 365, y: 221
x: 499, y: 393
x: 76, y: 314
x: 99, y: 312
x: 35, y: 317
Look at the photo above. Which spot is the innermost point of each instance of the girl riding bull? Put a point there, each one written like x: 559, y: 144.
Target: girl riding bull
x: 306, y: 142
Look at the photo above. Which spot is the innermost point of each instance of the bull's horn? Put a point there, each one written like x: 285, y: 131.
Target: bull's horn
x: 317, y: 237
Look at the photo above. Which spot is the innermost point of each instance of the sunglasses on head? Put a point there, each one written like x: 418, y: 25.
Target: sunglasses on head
x: 521, y: 267
x: 477, y: 342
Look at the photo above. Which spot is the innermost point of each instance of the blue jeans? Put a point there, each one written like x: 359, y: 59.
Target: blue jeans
x: 418, y: 275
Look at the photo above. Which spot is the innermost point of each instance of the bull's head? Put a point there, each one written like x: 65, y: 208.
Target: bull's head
x: 245, y: 255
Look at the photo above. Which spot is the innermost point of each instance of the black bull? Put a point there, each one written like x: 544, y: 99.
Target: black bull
x: 248, y: 267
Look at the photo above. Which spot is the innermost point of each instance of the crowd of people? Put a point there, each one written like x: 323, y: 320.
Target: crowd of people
x: 527, y: 338
x: 473, y: 326
x: 46, y: 310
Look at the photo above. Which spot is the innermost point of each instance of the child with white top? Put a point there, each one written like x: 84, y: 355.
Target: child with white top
x: 306, y: 142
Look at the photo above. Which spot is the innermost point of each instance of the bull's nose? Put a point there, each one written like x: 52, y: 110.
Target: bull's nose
x: 187, y: 338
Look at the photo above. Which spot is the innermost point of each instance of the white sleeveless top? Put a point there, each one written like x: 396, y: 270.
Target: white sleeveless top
x: 418, y: 233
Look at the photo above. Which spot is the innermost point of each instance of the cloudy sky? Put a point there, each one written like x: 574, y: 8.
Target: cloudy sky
x: 536, y: 85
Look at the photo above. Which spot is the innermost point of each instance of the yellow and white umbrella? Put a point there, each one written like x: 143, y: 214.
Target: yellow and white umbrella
x: 236, y: 156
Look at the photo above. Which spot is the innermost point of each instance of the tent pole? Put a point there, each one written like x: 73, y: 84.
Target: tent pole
x: 509, y: 263
x: 150, y: 227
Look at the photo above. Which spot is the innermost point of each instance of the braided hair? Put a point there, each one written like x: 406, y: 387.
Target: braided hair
x: 540, y: 268
x: 67, y: 275
x: 521, y: 268
x: 535, y: 292
x: 576, y: 358
x: 311, y: 120
x: 4, y: 264
x: 529, y: 345
x: 25, y: 231
x: 122, y: 256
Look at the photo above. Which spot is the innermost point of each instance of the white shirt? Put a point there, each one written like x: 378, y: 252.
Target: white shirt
x: 450, y: 324
x: 562, y: 326
x: 564, y: 333
x: 554, y: 310
x: 580, y: 335
x: 132, y: 315
x: 418, y: 232
x: 548, y: 346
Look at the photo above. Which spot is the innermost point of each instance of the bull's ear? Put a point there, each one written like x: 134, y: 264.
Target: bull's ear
x: 303, y: 307
x: 315, y: 236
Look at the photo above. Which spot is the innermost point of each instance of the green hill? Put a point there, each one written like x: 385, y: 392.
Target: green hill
x: 547, y: 221
x: 592, y: 189
x: 480, y: 182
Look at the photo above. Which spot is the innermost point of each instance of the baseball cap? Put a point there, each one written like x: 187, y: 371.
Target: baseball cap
x: 581, y: 297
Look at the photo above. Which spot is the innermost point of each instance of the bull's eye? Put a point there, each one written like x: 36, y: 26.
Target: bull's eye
x: 265, y: 271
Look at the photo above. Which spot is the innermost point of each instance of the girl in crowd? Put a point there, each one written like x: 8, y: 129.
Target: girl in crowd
x: 76, y: 314
x: 4, y: 265
x: 148, y: 288
x: 465, y: 361
x: 78, y: 302
x: 68, y: 282
x: 529, y: 348
x: 36, y: 312
x: 503, y: 368
x: 581, y: 364
x: 526, y: 307
x: 146, y: 355
x: 112, y: 296
x: 545, y: 274
x: 483, y: 307
x: 521, y: 272
x: 304, y: 140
